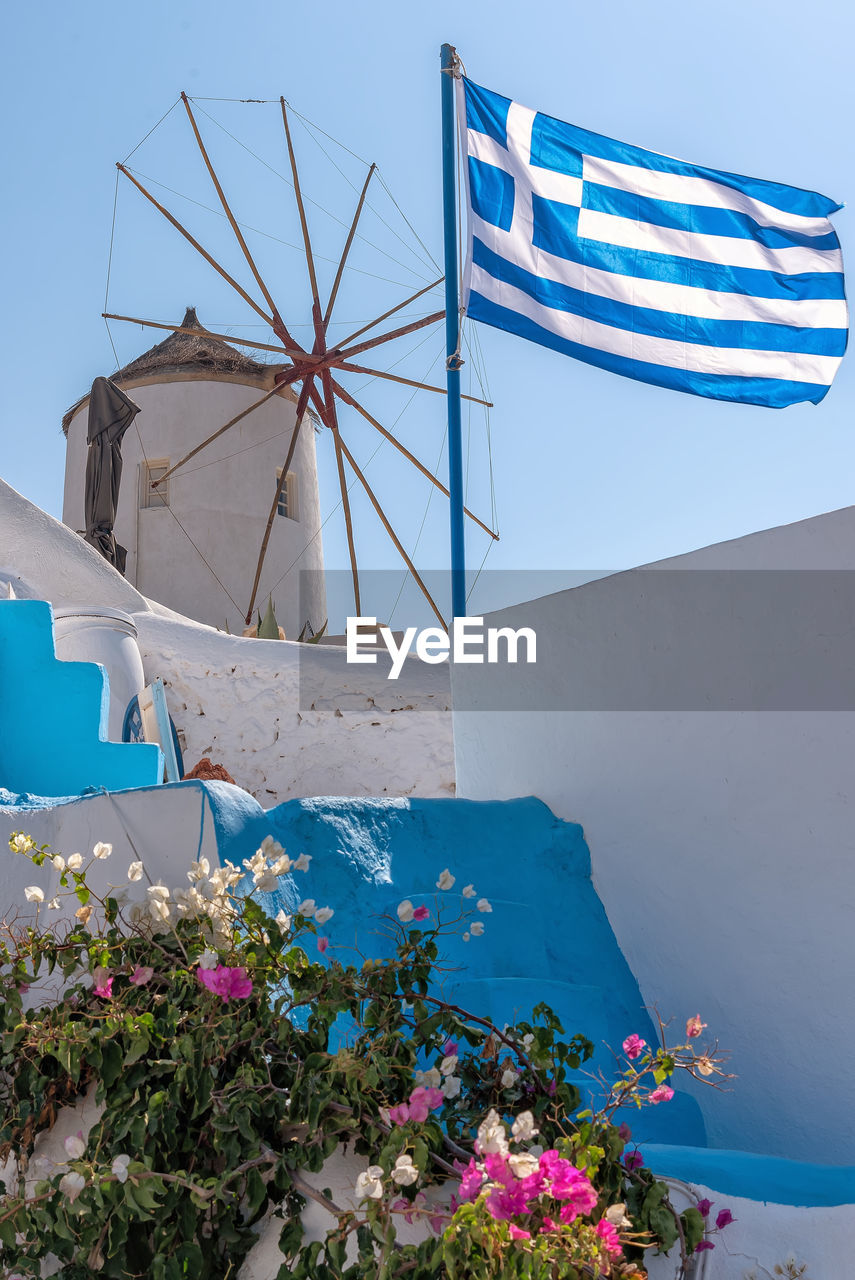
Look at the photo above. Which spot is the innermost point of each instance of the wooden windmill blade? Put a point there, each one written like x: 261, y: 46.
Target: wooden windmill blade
x: 317, y: 371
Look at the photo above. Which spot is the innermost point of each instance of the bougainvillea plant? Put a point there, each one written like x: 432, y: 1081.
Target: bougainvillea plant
x: 226, y: 1069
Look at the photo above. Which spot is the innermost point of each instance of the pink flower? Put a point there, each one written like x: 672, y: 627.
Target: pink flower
x: 437, y: 1221
x: 694, y: 1026
x: 608, y: 1233
x: 624, y: 1132
x: 141, y: 975
x: 517, y: 1233
x: 418, y: 1108
x: 724, y: 1219
x: 567, y: 1183
x: 533, y: 1186
x: 470, y: 1183
x: 498, y: 1169
x: 663, y: 1094
x: 421, y: 913
x: 633, y: 1045
x: 422, y: 1101
x: 104, y: 988
x: 504, y: 1203
x: 705, y: 1244
x: 403, y: 1206
x: 450, y: 1049
x: 548, y: 1225
x: 228, y: 983
x: 704, y: 1207
x: 633, y: 1160
x: 323, y: 943
x: 400, y: 1114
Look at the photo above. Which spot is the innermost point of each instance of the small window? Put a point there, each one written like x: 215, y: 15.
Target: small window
x: 287, y: 504
x: 149, y: 472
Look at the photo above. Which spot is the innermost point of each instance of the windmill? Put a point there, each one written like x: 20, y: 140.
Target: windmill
x: 317, y: 369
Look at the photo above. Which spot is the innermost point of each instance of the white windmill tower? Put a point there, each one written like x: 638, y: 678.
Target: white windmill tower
x: 192, y: 542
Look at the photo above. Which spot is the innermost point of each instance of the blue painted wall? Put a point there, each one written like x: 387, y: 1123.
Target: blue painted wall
x: 53, y: 716
x: 547, y: 937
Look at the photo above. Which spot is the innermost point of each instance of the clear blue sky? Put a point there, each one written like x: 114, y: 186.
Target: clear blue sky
x: 591, y: 471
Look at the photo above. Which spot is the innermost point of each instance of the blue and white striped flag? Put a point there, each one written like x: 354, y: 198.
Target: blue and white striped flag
x: 663, y: 271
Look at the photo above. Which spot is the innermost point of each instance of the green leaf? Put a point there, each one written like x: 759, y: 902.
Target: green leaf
x: 693, y: 1228
x: 111, y: 1062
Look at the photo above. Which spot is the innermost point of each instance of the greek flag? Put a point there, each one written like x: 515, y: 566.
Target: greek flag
x: 666, y: 272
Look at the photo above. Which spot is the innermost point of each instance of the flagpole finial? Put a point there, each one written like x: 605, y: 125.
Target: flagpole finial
x: 450, y: 62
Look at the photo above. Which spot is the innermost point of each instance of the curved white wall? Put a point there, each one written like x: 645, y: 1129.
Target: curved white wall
x: 722, y: 840
x: 222, y: 500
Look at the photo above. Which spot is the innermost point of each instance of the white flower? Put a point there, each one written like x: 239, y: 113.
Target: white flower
x: 405, y: 1172
x: 469, y: 891
x: 446, y: 1067
x: 492, y: 1137
x: 281, y: 866
x: 53, y: 905
x: 369, y: 1184
x: 523, y: 1128
x: 509, y: 1078
x: 75, y: 862
x: 483, y: 905
x: 256, y: 863
x: 74, y: 1147
x: 283, y: 920
x: 102, y: 850
x: 302, y: 863
x: 58, y: 862
x: 405, y: 911
x: 528, y: 1040
x: 616, y: 1214
x: 307, y: 908
x: 267, y: 844
x: 476, y: 929
x: 119, y: 1168
x: 208, y: 959
x: 522, y: 1164
x: 21, y: 843
x: 446, y: 880
x: 135, y: 871
x: 158, y: 891
x: 71, y: 1185
x: 323, y: 914
x: 451, y: 1086
x: 198, y: 870
x: 265, y: 881
x: 34, y: 894
x: 159, y: 910
x: 467, y: 936
x: 430, y: 1079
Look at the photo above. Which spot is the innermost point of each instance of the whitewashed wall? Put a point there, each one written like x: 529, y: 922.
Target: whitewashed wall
x: 292, y: 720
x: 723, y: 843
x: 222, y: 499
x: 347, y: 731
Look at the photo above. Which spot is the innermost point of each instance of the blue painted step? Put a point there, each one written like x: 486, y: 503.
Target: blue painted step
x: 53, y: 716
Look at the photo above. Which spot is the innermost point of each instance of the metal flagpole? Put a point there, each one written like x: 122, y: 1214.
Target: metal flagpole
x: 452, y: 335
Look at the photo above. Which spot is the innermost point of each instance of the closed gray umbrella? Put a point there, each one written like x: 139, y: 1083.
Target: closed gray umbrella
x: 111, y: 412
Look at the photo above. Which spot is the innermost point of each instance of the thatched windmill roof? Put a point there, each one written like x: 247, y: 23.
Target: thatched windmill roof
x: 189, y: 355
